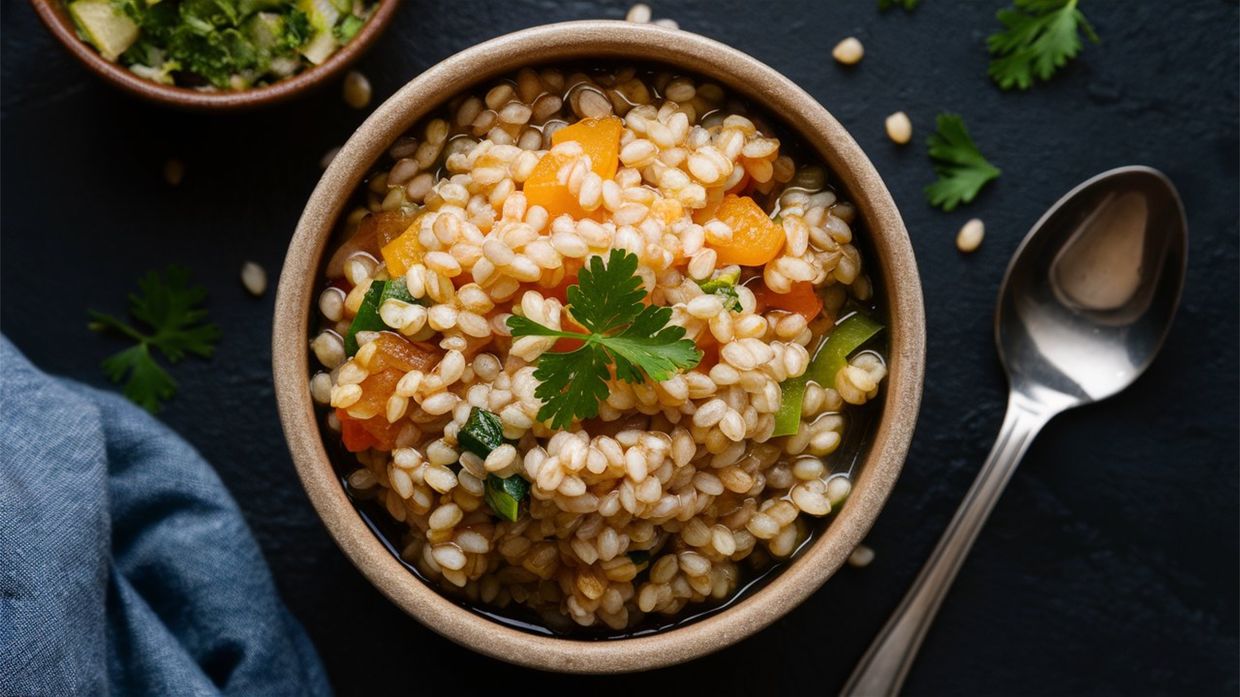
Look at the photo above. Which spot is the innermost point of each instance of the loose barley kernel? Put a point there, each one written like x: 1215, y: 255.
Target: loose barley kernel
x: 848, y: 52
x: 899, y: 128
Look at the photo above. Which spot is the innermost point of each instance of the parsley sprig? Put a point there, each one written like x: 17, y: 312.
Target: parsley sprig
x: 1039, y: 37
x: 622, y: 333
x: 165, y: 303
x: 962, y: 169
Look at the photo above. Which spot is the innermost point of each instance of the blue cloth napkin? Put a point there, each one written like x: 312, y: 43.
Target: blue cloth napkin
x: 125, y: 566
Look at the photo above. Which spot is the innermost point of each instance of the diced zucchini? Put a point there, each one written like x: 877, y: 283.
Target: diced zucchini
x: 367, y: 318
x: 104, y: 26
x: 397, y: 290
x: 504, y: 496
x: 724, y: 285
x: 832, y: 355
x: 482, y: 433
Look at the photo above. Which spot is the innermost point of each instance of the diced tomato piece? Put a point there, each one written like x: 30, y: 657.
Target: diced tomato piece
x: 802, y: 299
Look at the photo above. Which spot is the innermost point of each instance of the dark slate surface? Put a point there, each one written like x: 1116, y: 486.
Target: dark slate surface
x: 1110, y: 565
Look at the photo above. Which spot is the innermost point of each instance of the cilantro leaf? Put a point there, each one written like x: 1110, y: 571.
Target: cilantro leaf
x: 165, y: 303
x: 961, y: 168
x: 908, y: 5
x: 1039, y: 37
x: 623, y: 332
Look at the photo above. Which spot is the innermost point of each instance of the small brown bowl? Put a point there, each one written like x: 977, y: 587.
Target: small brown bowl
x: 56, y: 16
x: 888, y: 443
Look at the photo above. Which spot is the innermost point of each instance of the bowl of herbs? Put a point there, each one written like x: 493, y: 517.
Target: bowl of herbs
x: 216, y: 54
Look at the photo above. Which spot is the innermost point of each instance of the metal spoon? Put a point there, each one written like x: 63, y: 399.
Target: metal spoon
x: 1084, y: 308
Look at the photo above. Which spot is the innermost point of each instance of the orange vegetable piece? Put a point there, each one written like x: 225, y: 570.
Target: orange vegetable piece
x: 395, y: 353
x: 363, y: 434
x: 802, y: 299
x: 376, y: 389
x: 373, y: 232
x: 403, y: 251
x: 600, y: 139
x: 756, y: 239
x: 354, y: 434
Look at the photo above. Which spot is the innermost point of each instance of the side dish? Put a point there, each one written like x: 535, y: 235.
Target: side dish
x: 218, y: 44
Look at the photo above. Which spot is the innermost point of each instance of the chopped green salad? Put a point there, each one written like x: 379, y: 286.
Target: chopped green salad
x: 221, y: 44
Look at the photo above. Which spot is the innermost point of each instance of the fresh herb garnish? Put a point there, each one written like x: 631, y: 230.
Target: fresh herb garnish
x: 962, y: 169
x: 1039, y: 37
x: 622, y: 332
x: 908, y: 5
x: 166, y: 304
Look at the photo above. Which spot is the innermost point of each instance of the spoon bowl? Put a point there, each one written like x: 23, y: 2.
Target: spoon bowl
x: 1090, y: 294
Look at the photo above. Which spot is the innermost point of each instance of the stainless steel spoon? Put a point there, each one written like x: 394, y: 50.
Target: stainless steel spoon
x: 1084, y: 308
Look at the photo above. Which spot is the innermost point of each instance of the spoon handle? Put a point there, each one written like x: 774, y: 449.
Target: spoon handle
x: 886, y: 663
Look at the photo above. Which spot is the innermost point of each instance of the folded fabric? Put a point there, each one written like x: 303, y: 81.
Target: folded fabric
x: 125, y: 566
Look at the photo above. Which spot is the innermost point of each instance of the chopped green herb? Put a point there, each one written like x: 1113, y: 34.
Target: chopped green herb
x: 622, y: 331
x: 832, y: 356
x: 961, y: 168
x: 724, y: 285
x: 1039, y: 37
x: 367, y: 318
x: 908, y: 5
x: 166, y: 304
x: 348, y: 28
x: 482, y: 433
x: 229, y: 44
x: 504, y: 496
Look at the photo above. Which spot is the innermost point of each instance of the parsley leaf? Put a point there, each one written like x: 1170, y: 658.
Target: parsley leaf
x: 908, y: 5
x: 166, y: 303
x: 635, y: 338
x: 962, y: 169
x: 1040, y: 37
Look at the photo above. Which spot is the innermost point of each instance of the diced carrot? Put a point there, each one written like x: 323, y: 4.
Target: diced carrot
x: 802, y: 299
x: 364, y: 434
x: 600, y: 139
x: 560, y: 291
x: 396, y: 353
x: 376, y: 389
x: 756, y: 239
x: 372, y: 233
x: 403, y: 251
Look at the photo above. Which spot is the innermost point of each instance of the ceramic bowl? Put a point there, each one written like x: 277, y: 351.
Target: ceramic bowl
x: 55, y: 15
x: 890, y: 260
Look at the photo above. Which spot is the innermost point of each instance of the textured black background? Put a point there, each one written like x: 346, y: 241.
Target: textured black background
x: 1109, y: 566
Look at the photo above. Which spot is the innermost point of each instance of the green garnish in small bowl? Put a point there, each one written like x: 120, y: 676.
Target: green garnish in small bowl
x: 218, y: 44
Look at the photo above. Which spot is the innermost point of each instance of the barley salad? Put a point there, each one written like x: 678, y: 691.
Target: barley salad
x: 590, y: 343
